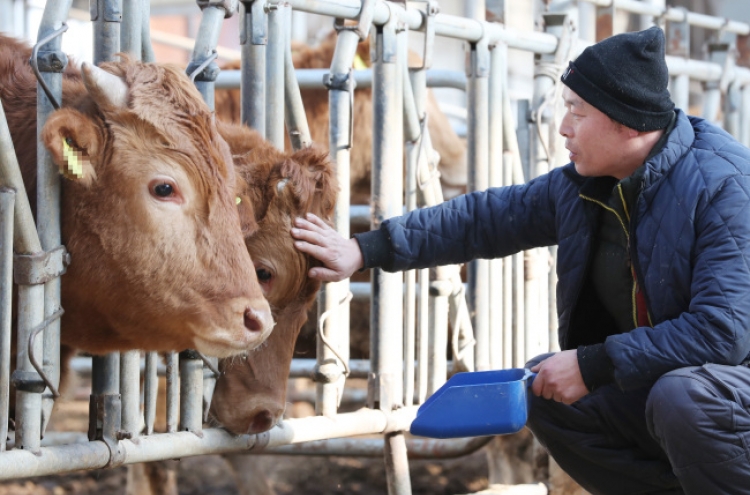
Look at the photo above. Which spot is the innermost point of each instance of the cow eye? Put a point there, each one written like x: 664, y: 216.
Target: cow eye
x: 163, y: 190
x: 264, y: 276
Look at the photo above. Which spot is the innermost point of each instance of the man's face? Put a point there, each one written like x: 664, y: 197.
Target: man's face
x: 596, y: 143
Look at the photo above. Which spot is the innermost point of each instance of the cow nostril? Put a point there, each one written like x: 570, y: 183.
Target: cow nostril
x: 263, y: 421
x: 252, y: 323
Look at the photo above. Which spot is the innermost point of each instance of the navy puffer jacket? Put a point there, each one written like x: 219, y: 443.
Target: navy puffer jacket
x: 690, y: 233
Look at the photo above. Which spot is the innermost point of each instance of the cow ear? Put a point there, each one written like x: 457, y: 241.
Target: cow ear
x: 314, y: 180
x: 74, y: 141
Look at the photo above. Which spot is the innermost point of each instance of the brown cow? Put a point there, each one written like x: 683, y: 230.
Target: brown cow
x: 250, y: 395
x: 148, y: 215
x: 447, y: 143
x: 274, y: 187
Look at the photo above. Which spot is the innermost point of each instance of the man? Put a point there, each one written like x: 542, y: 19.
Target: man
x: 652, y: 221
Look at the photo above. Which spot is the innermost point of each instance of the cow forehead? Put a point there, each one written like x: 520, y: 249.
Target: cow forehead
x: 165, y: 98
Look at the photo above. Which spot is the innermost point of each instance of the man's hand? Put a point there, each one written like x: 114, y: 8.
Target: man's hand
x: 559, y: 378
x: 340, y: 257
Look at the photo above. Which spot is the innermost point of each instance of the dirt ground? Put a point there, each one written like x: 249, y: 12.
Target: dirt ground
x: 210, y: 475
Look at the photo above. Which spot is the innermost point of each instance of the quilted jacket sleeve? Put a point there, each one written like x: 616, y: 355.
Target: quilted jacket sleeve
x: 485, y: 224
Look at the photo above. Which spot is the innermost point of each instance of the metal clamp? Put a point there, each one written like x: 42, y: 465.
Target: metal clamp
x: 40, y: 268
x: 204, y: 69
x: 104, y: 425
x: 344, y: 82
x: 366, y: 13
x: 229, y: 6
x: 431, y: 10
x: 55, y: 62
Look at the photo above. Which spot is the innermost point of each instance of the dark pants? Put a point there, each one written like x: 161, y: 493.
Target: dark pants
x: 689, y: 433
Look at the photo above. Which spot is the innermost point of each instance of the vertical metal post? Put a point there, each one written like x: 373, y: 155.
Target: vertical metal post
x: 386, y: 328
x: 7, y: 203
x: 7, y: 21
x: 333, y: 297
x: 191, y: 392
x: 717, y: 53
x: 498, y: 72
x: 131, y: 34
x: 131, y: 43
x: 173, y: 391
x: 104, y: 416
x: 202, y: 69
x: 150, y: 391
x: 387, y: 288
x: 416, y: 92
x: 275, y: 50
x: 745, y: 113
x: 253, y: 38
x: 147, y: 51
x: 478, y: 156
x: 107, y: 17
x: 130, y: 373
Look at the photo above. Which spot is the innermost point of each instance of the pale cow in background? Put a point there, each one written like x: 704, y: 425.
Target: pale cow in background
x: 451, y: 147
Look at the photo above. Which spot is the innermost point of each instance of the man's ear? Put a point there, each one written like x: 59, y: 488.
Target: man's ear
x: 74, y: 141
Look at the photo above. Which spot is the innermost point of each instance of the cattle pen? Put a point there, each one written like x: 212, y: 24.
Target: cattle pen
x: 497, y: 315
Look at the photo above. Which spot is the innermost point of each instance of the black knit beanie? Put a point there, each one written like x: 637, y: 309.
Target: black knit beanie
x: 625, y: 76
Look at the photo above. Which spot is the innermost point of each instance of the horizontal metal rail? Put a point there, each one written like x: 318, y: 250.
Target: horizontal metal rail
x: 94, y: 455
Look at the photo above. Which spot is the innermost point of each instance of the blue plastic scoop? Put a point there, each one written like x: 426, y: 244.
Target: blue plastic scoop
x: 476, y: 403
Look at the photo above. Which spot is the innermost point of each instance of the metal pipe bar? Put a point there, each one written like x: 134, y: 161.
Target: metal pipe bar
x: 131, y: 33
x: 332, y: 298
x: 294, y: 109
x: 253, y: 39
x: 275, y: 53
x: 25, y: 237
x: 396, y: 464
x: 107, y: 17
x: 130, y: 392
x: 745, y: 117
x: 48, y: 193
x: 314, y: 78
x: 387, y: 200
x: 173, y: 390
x: 7, y: 202
x: 478, y: 180
x: 19, y: 463
x: 417, y: 448
x: 202, y: 68
x: 676, y: 15
x: 150, y: 390
x: 28, y: 399
x: 497, y: 75
x: 191, y: 392
x: 445, y: 25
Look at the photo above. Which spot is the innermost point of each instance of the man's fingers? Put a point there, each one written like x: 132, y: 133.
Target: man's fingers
x: 316, y: 220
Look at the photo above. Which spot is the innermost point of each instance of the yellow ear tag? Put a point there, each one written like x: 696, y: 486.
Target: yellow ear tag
x: 359, y: 63
x: 72, y: 159
x: 238, y: 200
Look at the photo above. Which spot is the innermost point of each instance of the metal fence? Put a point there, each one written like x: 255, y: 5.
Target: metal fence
x: 503, y: 314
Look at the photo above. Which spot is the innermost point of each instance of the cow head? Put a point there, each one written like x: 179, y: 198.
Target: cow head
x: 150, y: 219
x: 250, y: 395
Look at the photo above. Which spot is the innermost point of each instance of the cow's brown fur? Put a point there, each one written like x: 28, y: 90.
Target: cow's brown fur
x: 447, y: 143
x: 250, y: 395
x: 145, y: 273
